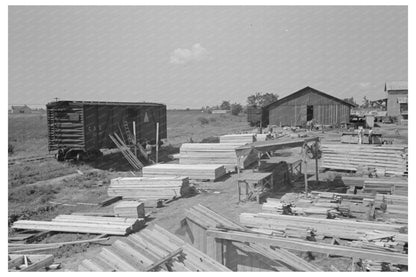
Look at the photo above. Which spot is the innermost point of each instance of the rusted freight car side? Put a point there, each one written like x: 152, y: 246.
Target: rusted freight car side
x: 79, y: 128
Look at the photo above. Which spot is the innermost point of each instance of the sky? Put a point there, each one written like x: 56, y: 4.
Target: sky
x: 189, y: 57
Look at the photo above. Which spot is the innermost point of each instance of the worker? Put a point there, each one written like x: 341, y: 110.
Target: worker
x: 370, y: 136
x: 360, y: 134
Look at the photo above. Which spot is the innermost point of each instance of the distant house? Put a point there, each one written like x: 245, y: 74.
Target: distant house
x: 21, y: 109
x: 221, y: 111
x: 397, y: 99
x: 307, y: 104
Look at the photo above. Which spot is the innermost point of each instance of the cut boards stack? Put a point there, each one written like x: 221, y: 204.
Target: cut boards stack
x: 388, y: 158
x: 237, y: 138
x: 133, y: 209
x: 213, y: 153
x: 160, y: 187
x: 152, y: 249
x: 83, y: 224
x: 193, y: 171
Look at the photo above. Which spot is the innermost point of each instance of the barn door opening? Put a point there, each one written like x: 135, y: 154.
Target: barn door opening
x: 309, y: 113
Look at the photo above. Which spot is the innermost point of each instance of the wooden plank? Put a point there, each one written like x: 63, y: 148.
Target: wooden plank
x: 164, y: 259
x: 110, y: 201
x: 299, y: 245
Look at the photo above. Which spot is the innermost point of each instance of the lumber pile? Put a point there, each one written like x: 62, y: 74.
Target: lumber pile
x: 83, y: 224
x: 18, y: 262
x: 325, y: 205
x: 390, y: 159
x: 133, y: 209
x: 161, y: 187
x: 240, y: 256
x: 301, y: 227
x: 378, y: 185
x: 214, y: 153
x: 20, y: 248
x: 237, y: 138
x: 152, y: 249
x: 193, y: 171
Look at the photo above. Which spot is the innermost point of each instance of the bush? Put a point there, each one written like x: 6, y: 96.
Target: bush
x: 11, y: 149
x: 203, y: 120
x: 236, y: 109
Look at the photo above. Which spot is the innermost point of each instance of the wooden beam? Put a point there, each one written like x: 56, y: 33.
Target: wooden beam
x: 164, y: 259
x: 299, y: 245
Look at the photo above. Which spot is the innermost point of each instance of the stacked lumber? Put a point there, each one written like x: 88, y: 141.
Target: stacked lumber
x: 83, y: 224
x: 392, y: 207
x: 162, y: 187
x: 390, y: 159
x: 237, y: 138
x: 20, y: 248
x: 18, y: 262
x: 213, y: 153
x: 200, y: 219
x: 193, y: 171
x: 398, y: 186
x: 325, y: 204
x: 132, y: 209
x: 152, y: 249
x: 300, y: 227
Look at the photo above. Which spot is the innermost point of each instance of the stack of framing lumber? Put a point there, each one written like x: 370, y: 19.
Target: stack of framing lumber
x: 194, y: 171
x: 392, y: 207
x: 397, y: 186
x: 324, y: 204
x: 240, y: 256
x: 162, y: 187
x: 132, y: 209
x: 237, y: 138
x: 152, y: 249
x: 83, y: 224
x: 214, y: 153
x: 388, y: 158
x: 17, y: 262
x: 298, y: 226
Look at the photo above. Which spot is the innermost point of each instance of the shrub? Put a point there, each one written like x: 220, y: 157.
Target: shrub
x: 236, y: 109
x: 11, y: 149
x: 203, y: 120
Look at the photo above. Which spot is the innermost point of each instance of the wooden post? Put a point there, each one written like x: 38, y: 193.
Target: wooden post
x: 238, y: 178
x: 135, y: 138
x: 157, y: 142
x: 306, y: 177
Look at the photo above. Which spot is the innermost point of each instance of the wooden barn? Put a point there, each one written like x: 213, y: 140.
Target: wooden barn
x: 307, y: 104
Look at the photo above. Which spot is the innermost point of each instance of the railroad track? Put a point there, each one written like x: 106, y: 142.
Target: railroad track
x: 20, y: 160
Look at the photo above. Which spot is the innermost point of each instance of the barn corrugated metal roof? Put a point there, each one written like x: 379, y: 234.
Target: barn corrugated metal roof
x: 312, y: 89
x: 396, y: 85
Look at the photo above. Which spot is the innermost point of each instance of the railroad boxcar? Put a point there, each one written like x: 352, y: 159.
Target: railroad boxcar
x: 79, y: 129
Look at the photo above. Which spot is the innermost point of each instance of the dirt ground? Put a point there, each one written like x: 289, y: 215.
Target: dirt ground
x: 41, y: 190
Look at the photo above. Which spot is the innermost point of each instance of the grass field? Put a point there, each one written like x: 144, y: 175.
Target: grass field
x: 28, y: 135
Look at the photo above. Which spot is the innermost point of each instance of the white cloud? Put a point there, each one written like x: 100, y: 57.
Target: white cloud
x: 183, y: 56
x: 365, y: 84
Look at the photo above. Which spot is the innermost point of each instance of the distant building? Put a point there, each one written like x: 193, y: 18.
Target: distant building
x: 397, y: 98
x: 21, y: 109
x: 307, y: 104
x: 220, y: 111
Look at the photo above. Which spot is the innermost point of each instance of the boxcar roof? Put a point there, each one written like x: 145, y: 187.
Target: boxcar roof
x: 103, y: 103
x: 300, y: 92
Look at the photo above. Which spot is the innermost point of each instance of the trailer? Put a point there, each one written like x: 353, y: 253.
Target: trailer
x: 79, y: 129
